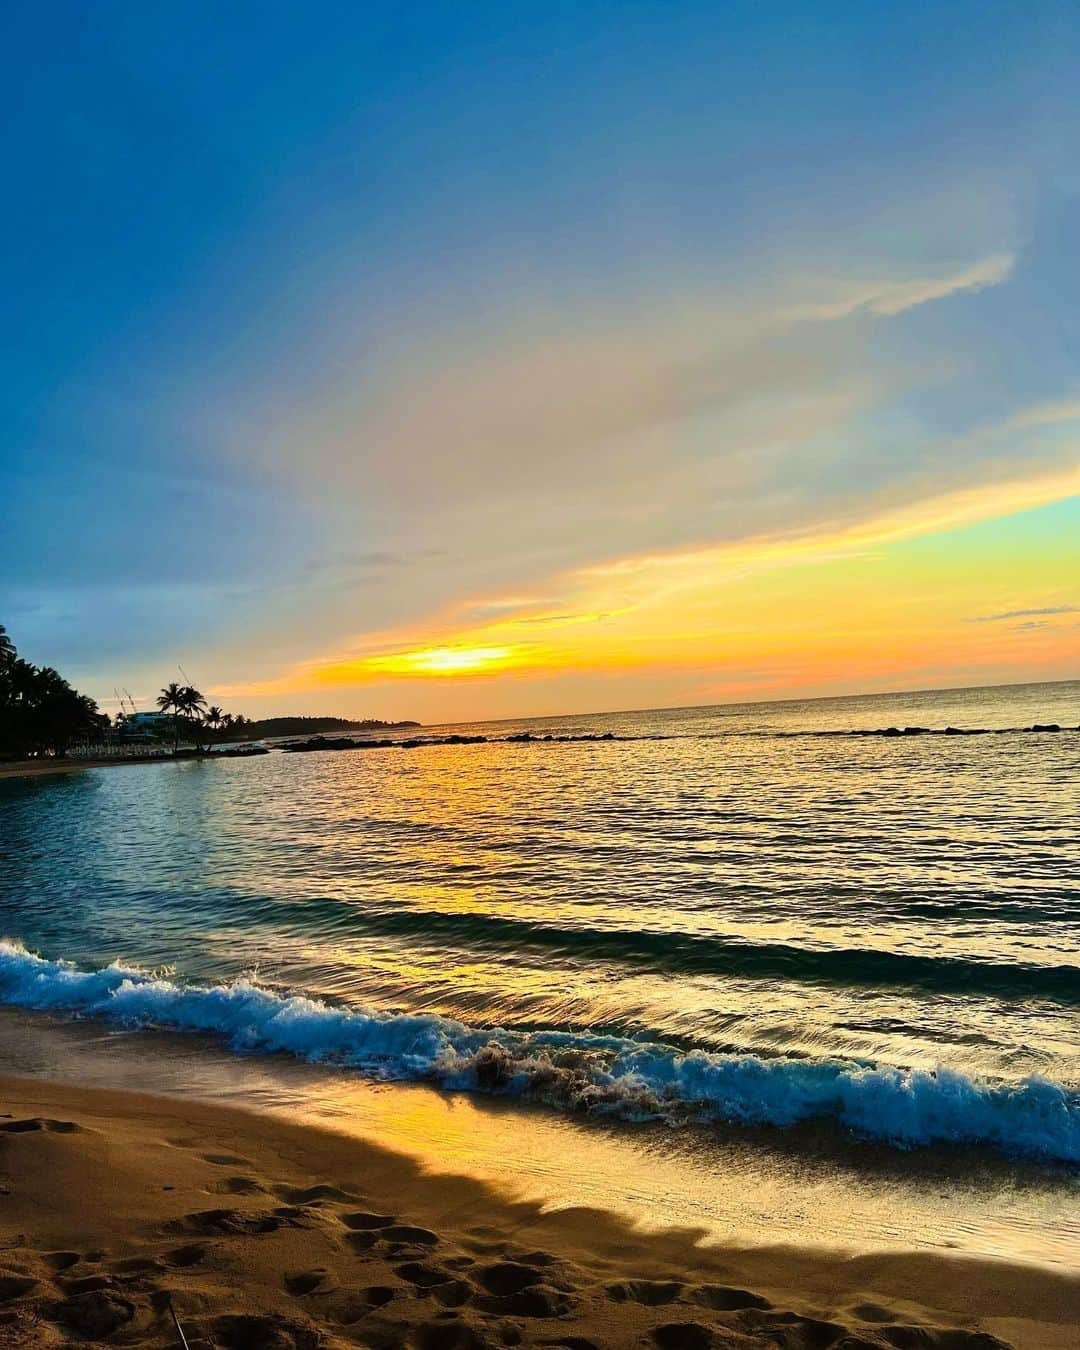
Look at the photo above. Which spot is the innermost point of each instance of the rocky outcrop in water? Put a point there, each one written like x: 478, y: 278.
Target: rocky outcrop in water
x: 419, y: 742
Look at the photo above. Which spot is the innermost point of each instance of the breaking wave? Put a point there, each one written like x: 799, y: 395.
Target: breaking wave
x: 602, y: 1074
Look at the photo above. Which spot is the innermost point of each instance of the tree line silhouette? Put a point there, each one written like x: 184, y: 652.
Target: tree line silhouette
x: 40, y: 713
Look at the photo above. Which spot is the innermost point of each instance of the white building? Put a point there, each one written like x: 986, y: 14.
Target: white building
x: 147, y: 726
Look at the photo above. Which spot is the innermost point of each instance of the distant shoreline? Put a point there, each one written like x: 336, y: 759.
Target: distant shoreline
x: 33, y: 768
x: 37, y: 768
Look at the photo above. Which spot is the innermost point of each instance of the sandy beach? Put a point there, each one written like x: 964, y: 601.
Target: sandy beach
x: 37, y: 768
x: 262, y: 1233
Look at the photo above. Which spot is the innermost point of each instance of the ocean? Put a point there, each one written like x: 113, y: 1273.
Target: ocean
x: 746, y: 927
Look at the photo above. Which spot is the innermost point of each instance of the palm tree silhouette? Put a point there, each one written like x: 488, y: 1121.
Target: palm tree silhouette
x: 214, y: 718
x: 194, y: 706
x: 183, y: 701
x: 171, y: 699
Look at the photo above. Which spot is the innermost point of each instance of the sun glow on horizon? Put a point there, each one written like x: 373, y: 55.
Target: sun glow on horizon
x: 457, y: 660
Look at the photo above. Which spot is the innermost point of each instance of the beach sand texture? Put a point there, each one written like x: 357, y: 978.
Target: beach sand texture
x: 270, y: 1236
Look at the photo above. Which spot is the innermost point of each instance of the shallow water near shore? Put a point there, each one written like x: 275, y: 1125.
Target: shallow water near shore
x: 844, y: 968
x: 736, y: 1186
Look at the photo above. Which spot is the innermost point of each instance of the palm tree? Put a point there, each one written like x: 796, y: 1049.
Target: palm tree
x: 171, y: 699
x: 214, y: 718
x: 194, y: 701
x: 194, y: 706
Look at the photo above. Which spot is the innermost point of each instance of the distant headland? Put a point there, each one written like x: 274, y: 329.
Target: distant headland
x: 270, y: 727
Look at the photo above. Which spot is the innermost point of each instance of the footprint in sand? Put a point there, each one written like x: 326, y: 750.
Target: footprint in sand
x: 407, y: 1233
x: 801, y: 1333
x: 359, y: 1302
x: 34, y: 1124
x: 723, y: 1299
x: 183, y: 1257
x: 682, y: 1336
x: 313, y: 1195
x: 96, y: 1314
x: 484, y: 1241
x: 423, y: 1276
x: 509, y: 1277
x: 437, y: 1281
x: 519, y: 1290
x: 14, y: 1284
x: 86, y: 1284
x: 873, y: 1312
x: 649, y: 1293
x: 238, y: 1186
x: 136, y: 1265
x: 943, y: 1338
x: 539, y: 1300
x: 308, y: 1282
x: 453, y: 1294
x: 229, y: 1222
x: 362, y: 1222
x: 244, y: 1331
x: 61, y: 1260
x: 450, y: 1336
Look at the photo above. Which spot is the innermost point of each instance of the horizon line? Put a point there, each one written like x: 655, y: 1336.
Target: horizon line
x: 735, y: 703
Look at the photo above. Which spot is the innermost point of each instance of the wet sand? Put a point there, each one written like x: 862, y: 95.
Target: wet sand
x: 262, y: 1233
x: 36, y: 768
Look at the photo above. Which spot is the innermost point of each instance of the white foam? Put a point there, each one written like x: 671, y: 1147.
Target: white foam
x: 605, y: 1074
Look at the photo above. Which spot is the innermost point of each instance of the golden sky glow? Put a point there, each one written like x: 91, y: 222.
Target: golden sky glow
x: 891, y: 598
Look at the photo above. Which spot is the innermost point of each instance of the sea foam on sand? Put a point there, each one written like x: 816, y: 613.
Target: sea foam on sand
x: 629, y: 1078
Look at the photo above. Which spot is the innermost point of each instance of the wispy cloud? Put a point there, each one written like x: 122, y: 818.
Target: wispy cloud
x: 1052, y: 414
x: 890, y: 297
x: 1007, y: 614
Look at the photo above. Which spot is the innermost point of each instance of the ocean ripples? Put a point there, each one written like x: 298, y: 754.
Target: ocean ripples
x: 704, y: 880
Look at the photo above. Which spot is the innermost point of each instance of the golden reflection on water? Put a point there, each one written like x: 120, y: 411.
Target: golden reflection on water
x: 743, y: 894
x: 575, y: 886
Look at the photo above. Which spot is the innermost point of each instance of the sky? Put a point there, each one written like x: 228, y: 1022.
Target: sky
x: 459, y: 361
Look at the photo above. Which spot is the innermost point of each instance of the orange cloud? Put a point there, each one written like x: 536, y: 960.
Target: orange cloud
x: 712, y: 608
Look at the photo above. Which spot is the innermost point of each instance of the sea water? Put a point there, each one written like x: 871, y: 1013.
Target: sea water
x: 755, y: 918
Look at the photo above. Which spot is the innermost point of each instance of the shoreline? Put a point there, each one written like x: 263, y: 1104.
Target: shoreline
x: 38, y: 768
x: 265, y: 1232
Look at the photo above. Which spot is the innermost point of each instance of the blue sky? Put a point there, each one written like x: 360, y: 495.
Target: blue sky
x: 330, y: 326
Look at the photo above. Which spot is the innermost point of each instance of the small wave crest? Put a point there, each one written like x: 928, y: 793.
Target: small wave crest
x: 602, y: 1074
x: 713, y: 954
